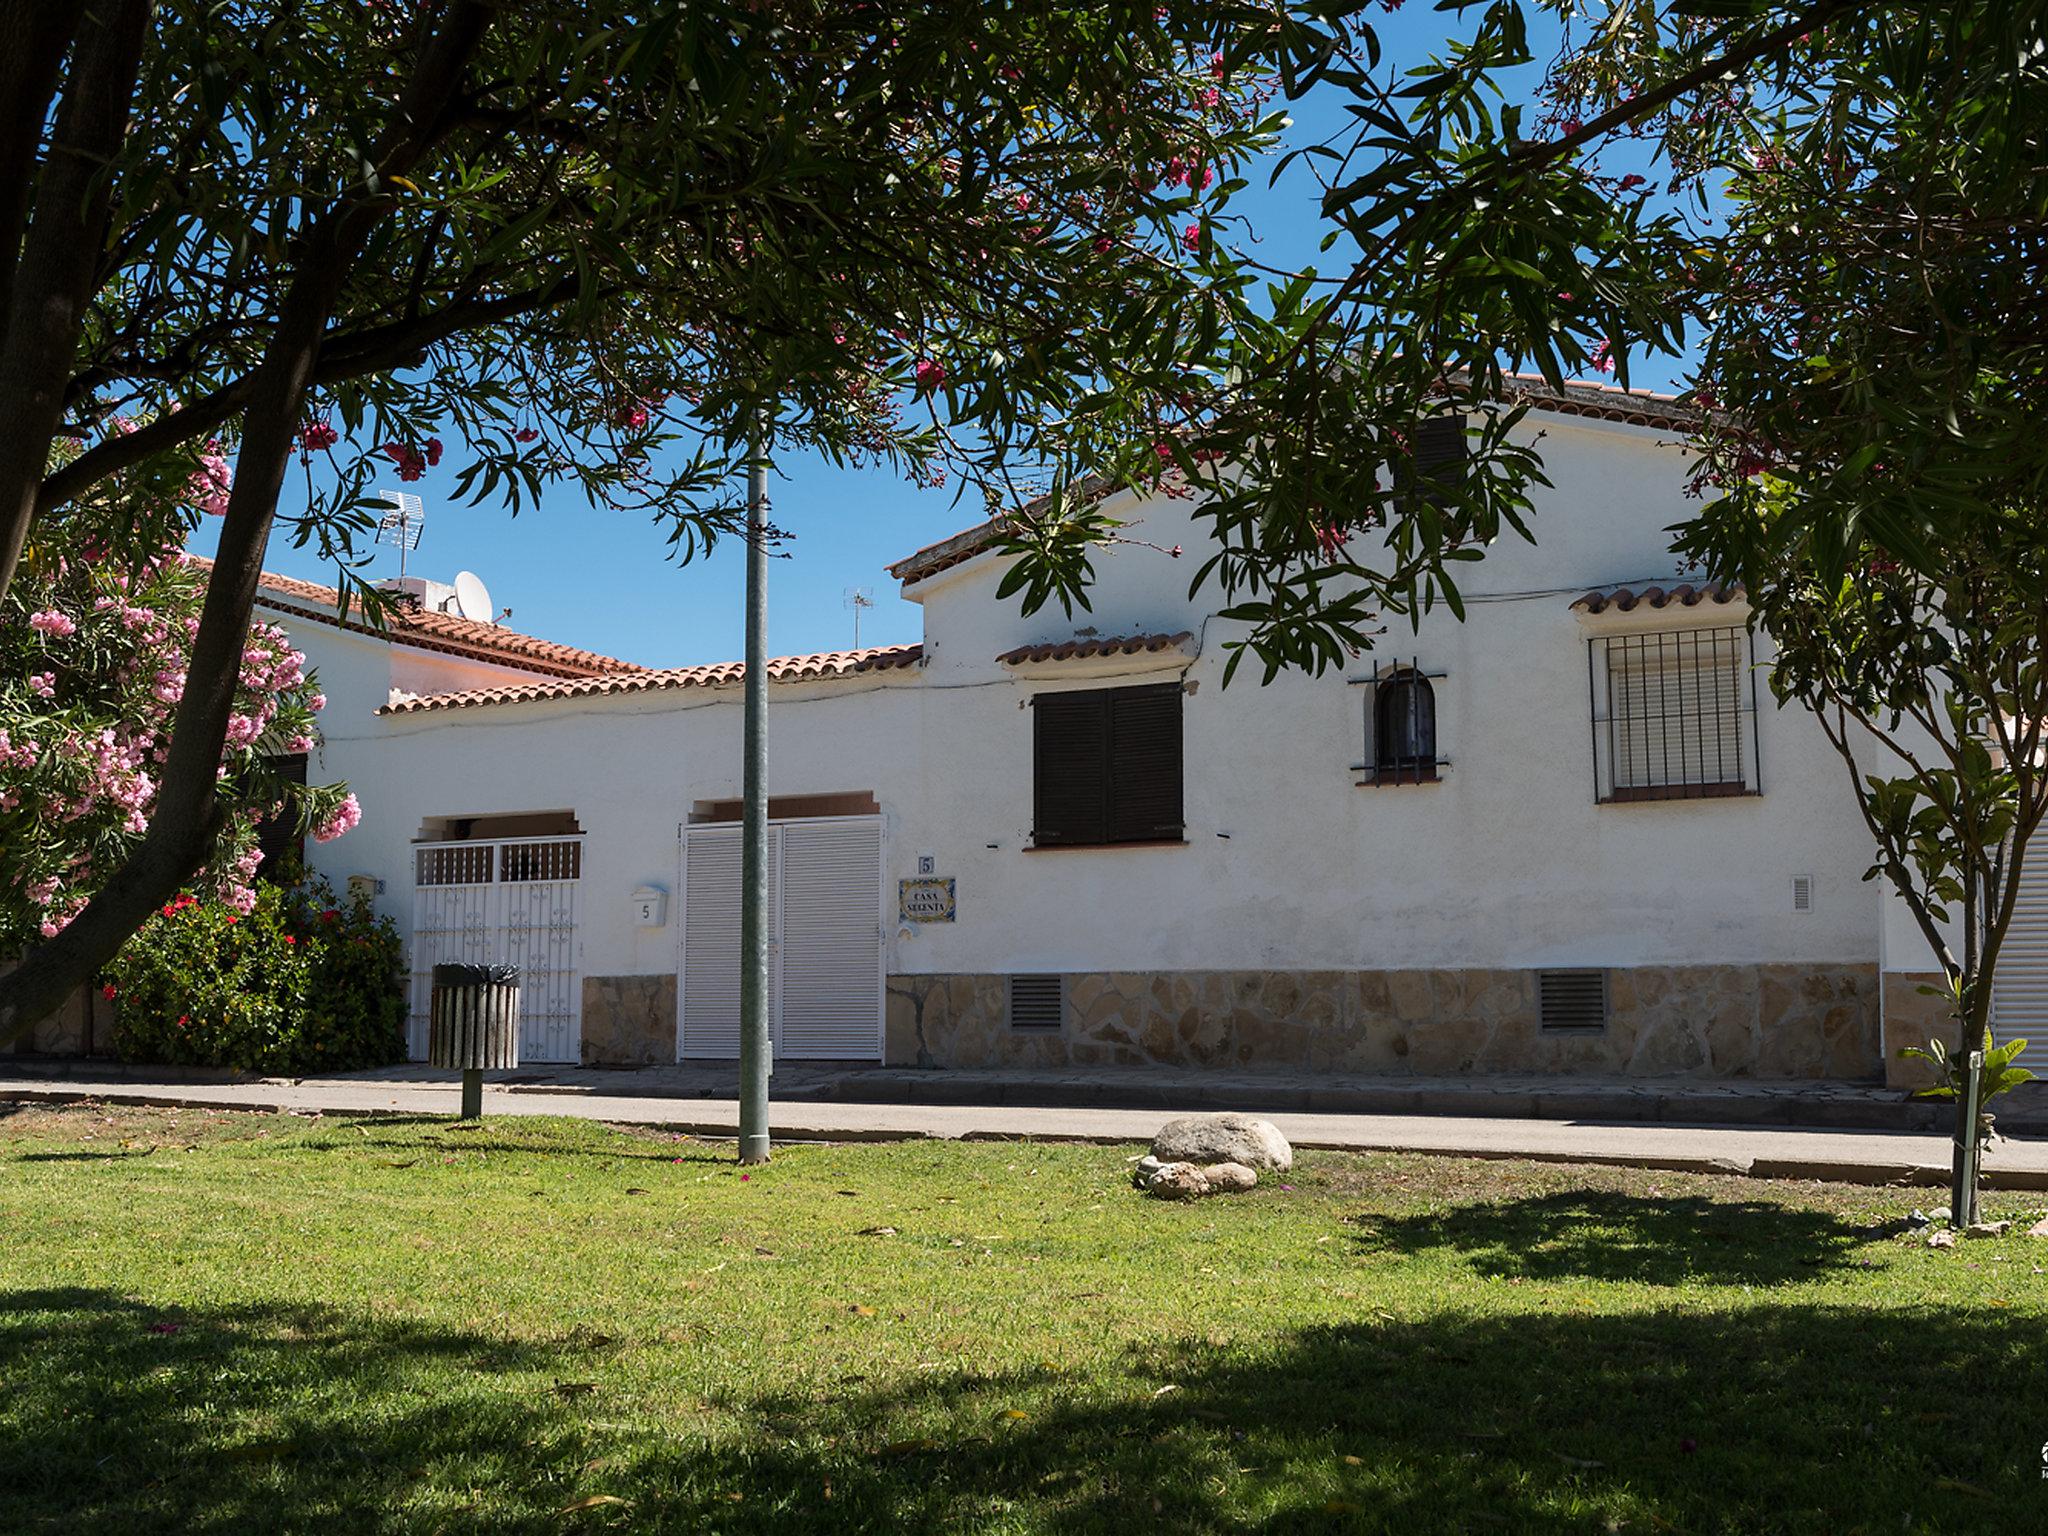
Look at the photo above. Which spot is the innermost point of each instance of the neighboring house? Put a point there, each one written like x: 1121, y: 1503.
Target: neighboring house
x: 1571, y: 833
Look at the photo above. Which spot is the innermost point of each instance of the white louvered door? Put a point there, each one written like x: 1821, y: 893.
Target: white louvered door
x: 711, y: 939
x: 825, y: 962
x: 2019, y: 991
x: 831, y: 940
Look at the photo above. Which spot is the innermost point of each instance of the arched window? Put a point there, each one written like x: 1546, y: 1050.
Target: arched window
x: 1404, y: 729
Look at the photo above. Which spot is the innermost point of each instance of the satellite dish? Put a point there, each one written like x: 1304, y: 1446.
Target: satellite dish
x: 472, y: 597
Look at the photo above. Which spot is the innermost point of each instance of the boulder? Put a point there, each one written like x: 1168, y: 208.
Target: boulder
x: 1208, y: 1139
x: 1141, y: 1174
x: 1177, y: 1181
x: 1229, y: 1178
x: 1188, y: 1181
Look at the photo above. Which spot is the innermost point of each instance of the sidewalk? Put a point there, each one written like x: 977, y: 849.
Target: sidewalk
x: 1766, y: 1130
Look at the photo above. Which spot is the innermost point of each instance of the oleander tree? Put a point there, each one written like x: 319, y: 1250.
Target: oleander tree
x: 95, y: 653
x: 575, y: 245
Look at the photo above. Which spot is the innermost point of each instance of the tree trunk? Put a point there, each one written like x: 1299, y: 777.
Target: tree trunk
x: 188, y: 815
x: 59, y: 264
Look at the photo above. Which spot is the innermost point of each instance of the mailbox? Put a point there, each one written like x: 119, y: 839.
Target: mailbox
x: 650, y: 907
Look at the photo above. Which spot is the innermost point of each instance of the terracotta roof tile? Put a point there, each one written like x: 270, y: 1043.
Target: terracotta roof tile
x: 723, y: 674
x: 1623, y: 600
x: 1604, y: 402
x: 448, y: 633
x: 1107, y: 645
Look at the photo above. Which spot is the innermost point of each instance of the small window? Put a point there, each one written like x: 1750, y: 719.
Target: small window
x: 1572, y: 1001
x: 278, y: 837
x: 1674, y: 715
x: 1433, y: 470
x: 1037, y: 1002
x: 1106, y: 767
x: 1404, y: 730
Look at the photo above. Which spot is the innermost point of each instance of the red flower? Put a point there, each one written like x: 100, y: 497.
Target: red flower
x: 433, y: 450
x: 291, y: 938
x: 1191, y: 237
x: 930, y: 375
x: 108, y: 992
x: 329, y: 915
x: 525, y: 435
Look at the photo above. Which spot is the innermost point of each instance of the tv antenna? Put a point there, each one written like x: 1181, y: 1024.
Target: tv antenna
x: 402, y: 524
x: 859, y: 599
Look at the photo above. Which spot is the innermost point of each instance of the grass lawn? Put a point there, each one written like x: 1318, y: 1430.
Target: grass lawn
x: 215, y: 1323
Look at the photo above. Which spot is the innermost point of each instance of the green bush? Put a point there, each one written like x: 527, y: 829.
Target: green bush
x: 299, y: 983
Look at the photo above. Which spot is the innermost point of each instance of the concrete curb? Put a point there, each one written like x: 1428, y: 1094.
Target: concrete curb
x: 1870, y: 1173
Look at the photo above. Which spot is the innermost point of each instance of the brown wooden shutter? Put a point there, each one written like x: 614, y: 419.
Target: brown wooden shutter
x: 1436, y: 468
x: 1070, y: 790
x: 1145, y: 763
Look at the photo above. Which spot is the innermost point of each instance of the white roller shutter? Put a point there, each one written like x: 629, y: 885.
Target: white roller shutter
x: 711, y: 939
x: 831, y: 940
x: 2019, y: 992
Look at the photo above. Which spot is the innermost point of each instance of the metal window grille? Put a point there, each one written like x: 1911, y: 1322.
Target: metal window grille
x: 1400, y: 725
x: 1571, y: 1000
x: 1674, y: 715
x: 1037, y: 1002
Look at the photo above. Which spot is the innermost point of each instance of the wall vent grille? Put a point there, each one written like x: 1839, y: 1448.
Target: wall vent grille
x: 1572, y: 1000
x: 1037, y: 1002
x: 1802, y: 893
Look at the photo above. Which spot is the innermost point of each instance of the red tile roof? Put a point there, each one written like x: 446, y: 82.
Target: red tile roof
x: 1623, y: 600
x: 1071, y: 650
x: 1603, y: 402
x: 723, y: 674
x: 448, y: 633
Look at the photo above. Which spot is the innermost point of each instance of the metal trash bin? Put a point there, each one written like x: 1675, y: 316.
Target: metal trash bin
x: 473, y: 1025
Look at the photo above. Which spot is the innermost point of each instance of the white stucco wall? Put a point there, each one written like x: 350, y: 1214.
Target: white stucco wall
x: 1506, y: 862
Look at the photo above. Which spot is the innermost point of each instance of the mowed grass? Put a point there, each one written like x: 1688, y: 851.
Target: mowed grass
x: 214, y: 1323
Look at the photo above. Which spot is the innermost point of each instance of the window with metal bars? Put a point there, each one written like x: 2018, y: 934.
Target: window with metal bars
x: 1400, y: 725
x: 1674, y: 715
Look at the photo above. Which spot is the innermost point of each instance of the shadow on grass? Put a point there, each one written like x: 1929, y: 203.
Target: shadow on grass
x: 1777, y: 1418
x: 122, y: 1417
x: 1609, y: 1235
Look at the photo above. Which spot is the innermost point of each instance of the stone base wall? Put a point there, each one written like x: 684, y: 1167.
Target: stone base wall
x: 629, y: 1021
x: 1766, y: 1021
x: 1913, y: 1017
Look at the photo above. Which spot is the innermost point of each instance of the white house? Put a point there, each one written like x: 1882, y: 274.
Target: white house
x: 1570, y: 833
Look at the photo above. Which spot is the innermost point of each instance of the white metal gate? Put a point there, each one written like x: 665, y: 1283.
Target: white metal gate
x: 2019, y: 991
x: 825, y: 939
x: 511, y: 901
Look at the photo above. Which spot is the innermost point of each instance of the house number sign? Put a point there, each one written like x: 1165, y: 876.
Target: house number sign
x: 928, y: 899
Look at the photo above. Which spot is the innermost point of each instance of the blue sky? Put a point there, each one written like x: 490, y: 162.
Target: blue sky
x: 603, y: 580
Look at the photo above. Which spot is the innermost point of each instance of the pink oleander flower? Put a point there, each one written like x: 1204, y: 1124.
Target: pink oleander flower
x: 931, y: 375
x: 1603, y: 356
x: 410, y: 461
x: 317, y: 703
x: 58, y: 626
x: 345, y: 818
x: 1191, y: 237
x: 43, y: 684
x: 433, y: 451
x: 524, y: 435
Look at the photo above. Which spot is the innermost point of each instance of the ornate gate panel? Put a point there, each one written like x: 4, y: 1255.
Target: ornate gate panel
x: 512, y: 901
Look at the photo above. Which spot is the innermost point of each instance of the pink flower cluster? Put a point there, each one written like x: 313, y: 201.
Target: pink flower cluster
x: 58, y: 626
x: 412, y: 462
x: 208, y: 487
x: 346, y: 818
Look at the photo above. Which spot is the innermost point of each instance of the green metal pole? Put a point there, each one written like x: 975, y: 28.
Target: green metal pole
x: 472, y: 1093
x: 755, y: 1046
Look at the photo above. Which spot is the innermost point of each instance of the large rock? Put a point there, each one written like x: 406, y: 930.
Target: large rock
x: 1187, y: 1181
x: 1207, y: 1139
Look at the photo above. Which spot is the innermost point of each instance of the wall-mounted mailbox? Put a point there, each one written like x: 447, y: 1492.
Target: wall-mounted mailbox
x: 650, y: 907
